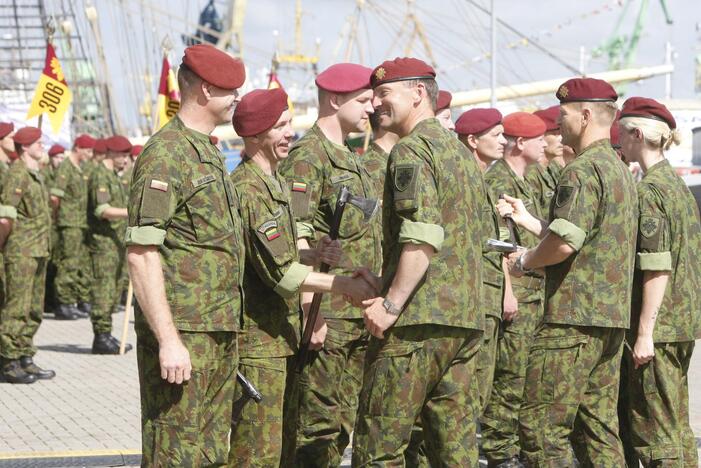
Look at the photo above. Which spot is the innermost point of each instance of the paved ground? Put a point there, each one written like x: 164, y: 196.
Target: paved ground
x: 91, y: 408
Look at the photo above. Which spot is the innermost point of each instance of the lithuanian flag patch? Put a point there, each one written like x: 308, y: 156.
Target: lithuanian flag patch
x: 299, y: 187
x: 272, y: 234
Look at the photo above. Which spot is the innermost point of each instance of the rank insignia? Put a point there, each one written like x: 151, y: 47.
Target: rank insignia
x: 563, y: 92
x: 403, y: 177
x: 649, y: 225
x: 380, y: 73
x: 159, y: 185
x: 564, y: 193
x: 299, y: 187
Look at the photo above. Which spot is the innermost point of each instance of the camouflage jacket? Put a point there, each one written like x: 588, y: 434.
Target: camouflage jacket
x: 25, y: 200
x: 273, y: 274
x: 71, y: 186
x: 595, y: 209
x: 501, y: 179
x: 105, y: 191
x: 182, y: 200
x: 435, y: 195
x: 493, y: 274
x: 374, y: 160
x: 669, y: 239
x: 315, y: 171
x: 543, y: 180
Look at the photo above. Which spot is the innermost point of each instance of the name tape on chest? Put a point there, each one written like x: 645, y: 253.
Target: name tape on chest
x: 203, y: 180
x: 159, y: 185
x: 340, y: 178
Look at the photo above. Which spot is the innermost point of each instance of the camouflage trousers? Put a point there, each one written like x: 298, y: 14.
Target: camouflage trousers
x: 328, y: 395
x: 570, y: 397
x: 188, y: 424
x: 658, y: 408
x: 107, y: 265
x: 73, y: 279
x: 3, y: 283
x: 425, y: 372
x: 21, y: 314
x: 486, y: 360
x: 257, y: 428
x: 500, y: 419
x: 50, y: 297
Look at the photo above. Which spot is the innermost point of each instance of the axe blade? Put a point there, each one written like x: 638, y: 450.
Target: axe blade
x: 368, y: 206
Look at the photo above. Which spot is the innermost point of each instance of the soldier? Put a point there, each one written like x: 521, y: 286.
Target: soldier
x: 318, y: 165
x: 26, y: 222
x: 482, y: 132
x: 186, y: 261
x: 523, y: 297
x: 70, y: 190
x: 273, y: 278
x: 7, y: 147
x: 428, y: 327
x: 56, y: 156
x: 588, y: 253
x: 543, y: 177
x: 98, y: 155
x: 666, y: 315
x: 107, y: 215
x: 443, y: 110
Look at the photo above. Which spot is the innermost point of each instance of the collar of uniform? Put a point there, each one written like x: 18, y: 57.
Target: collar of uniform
x: 341, y: 156
x: 200, y: 141
x: 378, y: 148
x: 428, y: 123
x: 276, y: 192
x: 520, y: 181
x: 597, y: 144
x: 657, y: 167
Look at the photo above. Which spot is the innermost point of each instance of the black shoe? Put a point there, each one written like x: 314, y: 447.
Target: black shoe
x: 65, y: 312
x: 512, y: 462
x: 29, y: 367
x: 80, y: 312
x: 127, y: 346
x: 85, y: 307
x: 104, y: 343
x: 13, y: 373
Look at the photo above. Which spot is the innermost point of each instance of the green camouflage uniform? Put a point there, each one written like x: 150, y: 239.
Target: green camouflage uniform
x: 73, y: 279
x: 500, y: 419
x: 270, y: 325
x: 669, y: 239
x: 374, y: 160
x: 434, y: 194
x: 50, y: 300
x: 4, y: 168
x: 106, y: 245
x: 573, y: 376
x: 182, y: 201
x: 25, y: 200
x: 315, y: 170
x: 123, y: 280
x: 544, y: 180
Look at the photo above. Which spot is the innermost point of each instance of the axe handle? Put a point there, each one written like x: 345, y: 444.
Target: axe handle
x: 509, y: 225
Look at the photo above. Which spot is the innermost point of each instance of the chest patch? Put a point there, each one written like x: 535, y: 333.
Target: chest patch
x: 340, y: 178
x: 203, y: 180
x: 270, y: 230
x: 299, y: 187
x: 159, y: 185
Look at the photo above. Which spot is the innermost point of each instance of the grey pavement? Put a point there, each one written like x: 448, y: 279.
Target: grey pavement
x: 91, y: 408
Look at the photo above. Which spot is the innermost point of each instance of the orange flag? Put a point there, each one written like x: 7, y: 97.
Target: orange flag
x: 52, y: 96
x: 168, y: 101
x: 274, y: 83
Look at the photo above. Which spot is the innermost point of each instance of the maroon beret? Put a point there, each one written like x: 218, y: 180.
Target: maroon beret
x: 401, y: 69
x: 344, y: 78
x: 215, y: 66
x: 649, y: 109
x: 6, y: 128
x: 585, y: 89
x: 118, y: 144
x: 136, y: 150
x: 258, y: 111
x: 523, y: 124
x: 476, y: 121
x: 27, y: 135
x: 100, y: 146
x: 56, y: 149
x: 443, y: 101
x: 549, y: 116
x: 84, y: 141
x: 213, y: 139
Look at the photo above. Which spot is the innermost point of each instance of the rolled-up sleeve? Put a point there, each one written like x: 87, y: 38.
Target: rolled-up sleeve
x: 413, y: 232
x: 569, y: 232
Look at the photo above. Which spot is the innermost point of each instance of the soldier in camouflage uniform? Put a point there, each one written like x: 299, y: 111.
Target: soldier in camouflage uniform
x: 525, y: 145
x: 273, y: 278
x: 666, y: 304
x: 318, y: 165
x: 428, y: 326
x: 70, y: 189
x: 588, y: 251
x: 7, y: 149
x: 443, y: 114
x: 56, y: 156
x: 543, y: 177
x: 25, y: 215
x: 186, y: 261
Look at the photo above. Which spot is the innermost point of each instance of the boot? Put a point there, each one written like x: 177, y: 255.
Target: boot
x: 127, y: 346
x: 82, y: 310
x: 13, y: 373
x: 29, y: 367
x: 65, y: 312
x: 104, y: 343
x: 512, y: 462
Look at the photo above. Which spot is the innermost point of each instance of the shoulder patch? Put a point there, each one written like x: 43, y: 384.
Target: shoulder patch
x: 649, y: 225
x: 299, y: 187
x: 403, y: 176
x: 158, y: 185
x: 564, y: 194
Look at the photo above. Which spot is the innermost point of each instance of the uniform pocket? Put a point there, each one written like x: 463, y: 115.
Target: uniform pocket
x: 649, y: 380
x: 554, y: 359
x: 394, y: 369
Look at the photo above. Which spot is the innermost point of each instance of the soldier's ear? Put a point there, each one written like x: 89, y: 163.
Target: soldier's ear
x: 335, y: 101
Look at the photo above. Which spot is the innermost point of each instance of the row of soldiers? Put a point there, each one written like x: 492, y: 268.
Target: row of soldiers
x: 427, y: 328
x: 62, y: 238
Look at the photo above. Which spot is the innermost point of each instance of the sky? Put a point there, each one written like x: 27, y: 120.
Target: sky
x: 457, y: 31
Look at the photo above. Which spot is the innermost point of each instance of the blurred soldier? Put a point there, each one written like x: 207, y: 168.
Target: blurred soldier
x: 186, y: 261
x: 25, y: 224
x: 318, y: 165
x: 482, y: 132
x: 98, y: 155
x: 7, y: 147
x: 56, y: 156
x: 588, y: 251
x: 273, y: 278
x: 666, y: 303
x: 428, y: 326
x: 375, y: 158
x: 70, y: 190
x: 107, y: 215
x: 524, y: 296
x: 443, y: 110
x: 543, y: 177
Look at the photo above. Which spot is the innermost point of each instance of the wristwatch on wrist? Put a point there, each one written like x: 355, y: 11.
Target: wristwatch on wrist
x: 390, y: 307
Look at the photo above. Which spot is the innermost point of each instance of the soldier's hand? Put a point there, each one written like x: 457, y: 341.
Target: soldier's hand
x: 643, y: 351
x: 329, y: 251
x: 319, y: 334
x: 514, y: 207
x: 377, y: 319
x: 175, y: 361
x: 358, y: 289
x: 371, y: 278
x: 511, y: 262
x: 510, y: 306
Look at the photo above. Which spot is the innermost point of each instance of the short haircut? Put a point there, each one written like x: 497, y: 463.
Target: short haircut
x: 431, y: 89
x: 187, y: 80
x: 603, y: 112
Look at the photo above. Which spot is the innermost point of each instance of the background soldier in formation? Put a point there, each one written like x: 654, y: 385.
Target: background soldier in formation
x: 543, y: 176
